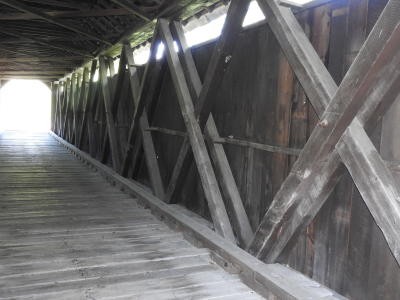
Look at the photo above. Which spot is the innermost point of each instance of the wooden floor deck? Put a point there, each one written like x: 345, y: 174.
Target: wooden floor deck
x: 66, y: 233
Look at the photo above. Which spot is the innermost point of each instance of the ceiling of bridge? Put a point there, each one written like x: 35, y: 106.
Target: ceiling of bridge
x: 46, y: 39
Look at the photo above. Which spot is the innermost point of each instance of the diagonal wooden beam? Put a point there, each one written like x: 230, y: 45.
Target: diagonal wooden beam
x: 67, y: 95
x: 87, y: 107
x: 151, y: 74
x: 216, y: 69
x: 377, y: 186
x: 74, y: 128
x: 105, y: 146
x: 82, y: 99
x: 70, y: 118
x: 308, y: 186
x: 114, y: 103
x: 111, y: 129
x: 154, y: 89
x: 207, y: 176
x: 147, y: 139
x: 93, y: 131
x: 29, y: 9
x: 227, y: 182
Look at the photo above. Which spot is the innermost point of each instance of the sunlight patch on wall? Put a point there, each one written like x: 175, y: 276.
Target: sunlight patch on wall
x: 25, y: 105
x: 210, y: 30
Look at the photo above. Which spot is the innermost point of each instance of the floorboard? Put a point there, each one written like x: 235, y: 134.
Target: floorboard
x: 65, y: 233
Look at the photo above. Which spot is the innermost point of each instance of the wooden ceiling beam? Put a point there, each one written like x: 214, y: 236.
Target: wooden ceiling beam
x: 33, y: 72
x: 135, y: 10
x: 58, y: 3
x: 17, y: 41
x: 31, y: 59
x: 27, y: 9
x: 2, y: 49
x: 41, y: 77
x: 47, y: 44
x: 67, y: 14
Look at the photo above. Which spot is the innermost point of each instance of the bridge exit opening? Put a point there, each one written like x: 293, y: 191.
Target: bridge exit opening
x: 25, y: 105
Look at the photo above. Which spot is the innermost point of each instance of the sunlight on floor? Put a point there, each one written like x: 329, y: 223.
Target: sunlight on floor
x: 25, y: 106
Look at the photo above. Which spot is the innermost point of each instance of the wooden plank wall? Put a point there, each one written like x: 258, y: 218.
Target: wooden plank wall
x: 260, y: 100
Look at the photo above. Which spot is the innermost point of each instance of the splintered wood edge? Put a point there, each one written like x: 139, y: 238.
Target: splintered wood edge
x: 267, y: 279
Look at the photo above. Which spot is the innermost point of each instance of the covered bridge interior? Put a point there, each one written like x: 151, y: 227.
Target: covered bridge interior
x: 264, y: 163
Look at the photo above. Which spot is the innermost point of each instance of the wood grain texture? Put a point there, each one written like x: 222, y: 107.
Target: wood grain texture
x: 68, y: 234
x: 273, y: 281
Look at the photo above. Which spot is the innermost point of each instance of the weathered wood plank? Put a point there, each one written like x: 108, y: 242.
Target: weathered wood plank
x: 370, y: 52
x: 68, y: 233
x: 272, y: 279
x: 203, y: 162
x: 112, y: 132
x: 151, y: 74
x: 147, y: 139
x: 217, y: 67
x: 240, y: 219
x: 87, y: 120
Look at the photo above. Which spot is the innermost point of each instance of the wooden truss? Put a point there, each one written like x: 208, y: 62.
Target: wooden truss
x: 347, y: 114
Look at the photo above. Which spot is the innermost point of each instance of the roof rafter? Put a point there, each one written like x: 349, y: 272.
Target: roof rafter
x: 67, y: 14
x: 27, y: 9
x: 132, y: 8
x: 50, y: 45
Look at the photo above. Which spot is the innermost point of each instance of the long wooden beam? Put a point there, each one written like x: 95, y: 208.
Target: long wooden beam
x: 67, y: 103
x: 195, y: 136
x: 81, y: 99
x: 131, y: 8
x: 103, y: 12
x: 127, y: 63
x: 151, y: 74
x: 216, y: 69
x: 227, y: 182
x: 147, y: 139
x: 25, y: 58
x: 87, y: 107
x: 111, y: 129
x: 71, y: 4
x: 29, y: 9
x: 233, y: 141
x: 31, y: 72
x: 307, y: 187
x: 47, y: 44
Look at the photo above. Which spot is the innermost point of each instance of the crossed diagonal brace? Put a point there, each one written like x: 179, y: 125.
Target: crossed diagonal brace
x: 367, y: 90
x: 201, y: 111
